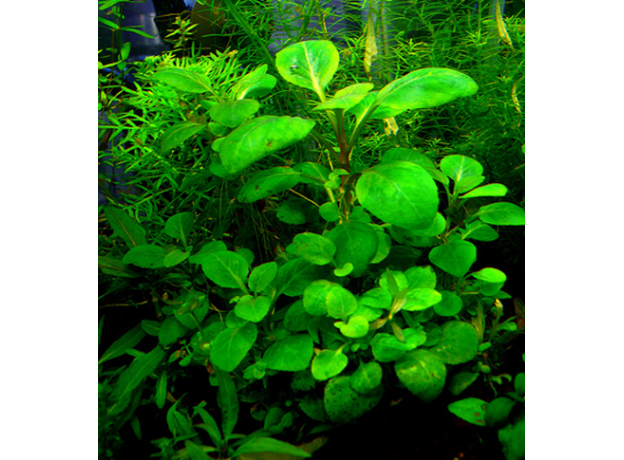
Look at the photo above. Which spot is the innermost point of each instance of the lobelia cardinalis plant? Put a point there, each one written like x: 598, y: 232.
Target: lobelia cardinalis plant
x: 383, y: 295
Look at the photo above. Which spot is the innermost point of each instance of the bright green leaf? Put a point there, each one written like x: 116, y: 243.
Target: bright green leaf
x: 226, y: 269
x: 261, y: 276
x: 233, y: 113
x: 146, y: 256
x: 486, y: 190
x: 314, y: 248
x: 179, y: 226
x: 367, y: 377
x: 328, y: 363
x: 450, y: 305
x: 290, y: 354
x: 265, y: 445
x: 268, y: 182
x: 253, y: 309
x: 459, y: 343
x: 501, y: 214
x: 231, y: 346
x: 356, y: 243
x: 455, y: 257
x: 399, y: 193
x: 177, y: 134
x: 470, y: 409
x: 184, y: 80
x: 129, y: 340
x: 423, y: 373
x: 356, y: 327
x: 490, y: 275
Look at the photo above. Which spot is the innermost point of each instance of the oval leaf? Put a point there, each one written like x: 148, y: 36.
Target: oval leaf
x: 314, y: 248
x: 177, y: 134
x: 310, y: 64
x: 455, y: 257
x: 226, y: 269
x: 290, y: 354
x: 423, y: 373
x: 367, y: 377
x: 146, y: 256
x: 328, y: 364
x: 459, y: 343
x: 231, y: 346
x: 501, y: 214
x: 470, y: 409
x: 343, y: 404
x: 486, y: 190
x: 179, y: 226
x: 268, y: 182
x: 233, y: 113
x: 259, y: 137
x: 253, y: 309
x: 356, y: 243
x: 184, y: 80
x: 399, y: 193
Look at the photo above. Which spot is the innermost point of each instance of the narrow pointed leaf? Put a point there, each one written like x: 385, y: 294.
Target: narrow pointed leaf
x: 268, y: 182
x: 177, y: 134
x: 501, y: 214
x: 125, y: 226
x: 129, y: 340
x: 184, y: 80
x: 233, y: 113
x: 231, y: 346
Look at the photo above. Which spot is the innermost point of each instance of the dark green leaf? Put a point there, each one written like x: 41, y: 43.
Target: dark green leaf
x: 227, y: 399
x: 314, y: 248
x: 294, y: 276
x: 179, y: 226
x: 269, y: 445
x: 422, y: 373
x: 343, y: 404
x: 268, y: 182
x: 459, y: 343
x: 177, y: 134
x: 290, y: 354
x: 146, y: 256
x: 184, y: 80
x: 129, y: 340
x: 470, y: 409
x: 125, y: 226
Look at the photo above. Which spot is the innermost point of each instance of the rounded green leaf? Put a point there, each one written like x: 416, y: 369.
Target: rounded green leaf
x: 343, y: 404
x: 252, y: 309
x: 290, y: 354
x: 290, y: 213
x: 459, y: 343
x: 423, y: 374
x: 450, y: 305
x: 268, y: 182
x: 356, y: 243
x: 231, y: 346
x: 519, y: 383
x: 501, y: 214
x: 255, y: 84
x: 264, y: 445
x: 175, y: 257
x: 259, y: 137
x: 294, y: 276
x: 340, y: 302
x: 328, y: 363
x: 498, y: 411
x: 399, y: 193
x: 455, y: 257
x: 145, y: 256
x: 470, y: 409
x: 424, y: 88
x: 421, y: 298
x: 367, y: 377
x: 226, y: 269
x: 315, y: 297
x: 461, y: 381
x: 518, y: 438
x: 314, y: 248
x: 490, y: 275
x: 355, y: 328
x: 309, y: 64
x: 262, y: 275
x: 297, y: 318
x: 179, y: 226
x: 479, y: 231
x: 347, y: 97
x: 460, y: 167
x: 329, y: 212
x: 387, y: 348
x: 233, y: 113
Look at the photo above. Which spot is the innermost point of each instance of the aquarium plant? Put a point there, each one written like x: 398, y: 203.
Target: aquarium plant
x: 378, y: 290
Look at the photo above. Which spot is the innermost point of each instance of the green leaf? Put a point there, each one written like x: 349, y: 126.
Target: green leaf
x: 356, y: 327
x: 519, y: 383
x: 314, y: 248
x: 471, y: 410
x: 423, y: 88
x: 421, y: 277
x: 194, y: 451
x: 129, y: 340
x: 460, y: 168
x: 175, y: 257
x: 329, y: 212
x: 259, y: 137
x: 184, y: 80
x: 161, y: 390
x: 490, y: 275
x: 290, y: 354
x: 313, y: 173
x: 455, y: 257
x: 340, y: 302
x: 459, y: 343
x: 309, y: 64
x: 294, y: 276
x: 297, y: 318
x: 210, y: 424
x: 226, y: 269
x: 421, y: 298
x: 329, y: 363
x: 170, y: 331
x: 479, y: 231
x: 461, y: 381
x: 347, y: 98
x: 233, y: 113
x: 115, y: 267
x: 262, y: 444
x: 367, y: 377
x: 501, y: 214
x: 261, y: 276
x: 146, y: 256
x: 125, y: 226
x: 133, y: 376
x: 450, y: 305
x: 231, y: 346
x: 227, y: 401
x: 315, y: 297
x: 497, y: 412
x: 290, y: 213
x: 518, y: 438
x: 343, y: 404
x: 254, y: 84
x: 177, y: 134
x: 387, y: 348
x: 414, y: 156
x: 179, y: 226
x: 356, y: 243
x: 268, y: 182
x: 486, y: 190
x: 399, y: 193
x: 253, y: 309
x: 423, y: 373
